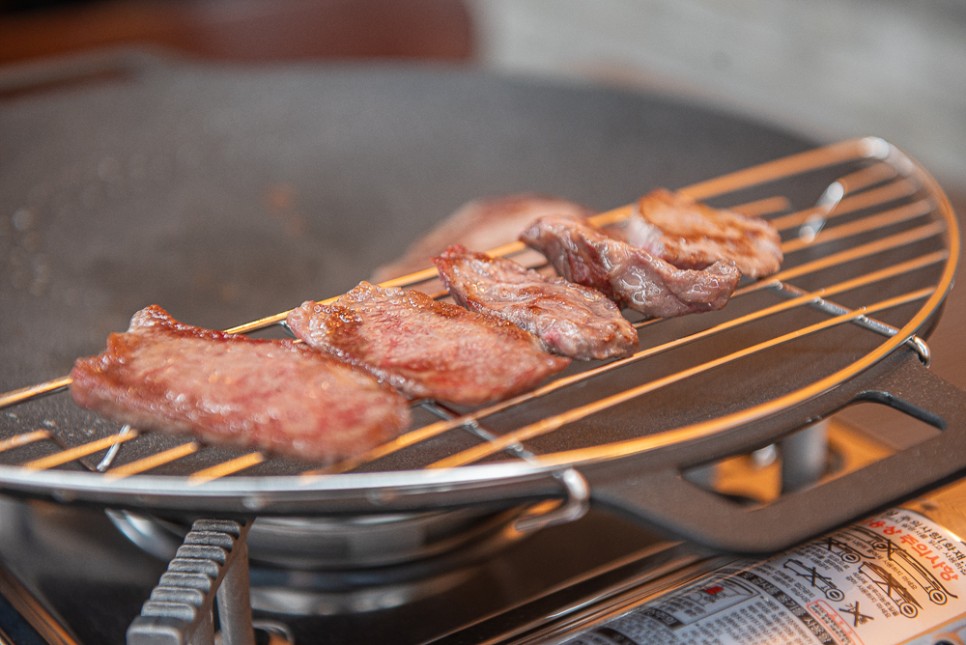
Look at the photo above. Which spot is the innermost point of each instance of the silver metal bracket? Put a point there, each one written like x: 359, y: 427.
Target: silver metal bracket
x: 920, y: 347
x: 552, y: 512
x: 211, y: 567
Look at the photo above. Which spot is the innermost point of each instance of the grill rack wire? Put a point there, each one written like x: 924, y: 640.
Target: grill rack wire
x: 880, y: 184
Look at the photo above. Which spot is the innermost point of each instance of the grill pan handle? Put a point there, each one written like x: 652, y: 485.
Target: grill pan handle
x: 663, y: 498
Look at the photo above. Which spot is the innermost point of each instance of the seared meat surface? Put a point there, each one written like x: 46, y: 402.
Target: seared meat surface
x: 692, y: 235
x: 273, y: 395
x: 568, y: 318
x: 425, y: 348
x: 632, y: 277
x: 480, y: 225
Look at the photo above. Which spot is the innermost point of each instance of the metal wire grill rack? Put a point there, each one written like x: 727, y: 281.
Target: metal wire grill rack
x: 870, y: 244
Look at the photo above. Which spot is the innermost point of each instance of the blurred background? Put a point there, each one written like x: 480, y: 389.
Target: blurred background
x: 829, y: 70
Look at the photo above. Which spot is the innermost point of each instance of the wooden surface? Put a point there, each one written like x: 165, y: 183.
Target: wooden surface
x: 245, y: 30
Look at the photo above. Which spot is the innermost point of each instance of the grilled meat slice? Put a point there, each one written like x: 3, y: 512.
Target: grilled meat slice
x: 425, y: 348
x: 273, y: 395
x: 568, y: 318
x: 480, y: 225
x: 692, y: 235
x: 630, y: 276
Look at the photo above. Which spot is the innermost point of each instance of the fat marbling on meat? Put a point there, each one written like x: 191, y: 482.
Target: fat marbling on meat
x: 568, y: 318
x: 273, y: 395
x: 425, y: 348
x: 632, y: 277
x: 693, y: 235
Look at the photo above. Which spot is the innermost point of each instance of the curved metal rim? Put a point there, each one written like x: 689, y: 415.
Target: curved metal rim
x: 875, y: 148
x: 258, y: 492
